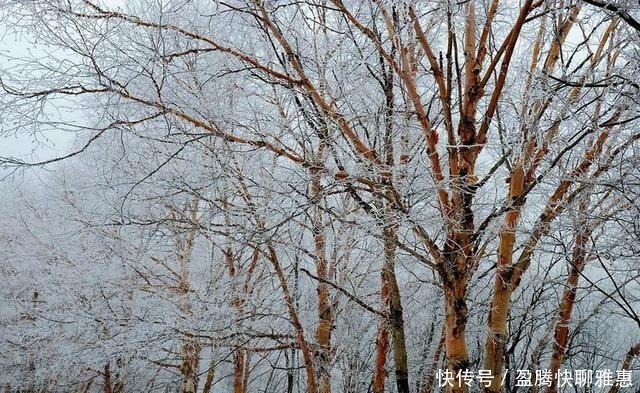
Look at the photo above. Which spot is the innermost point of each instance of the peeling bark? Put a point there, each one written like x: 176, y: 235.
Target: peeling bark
x: 456, y: 314
x: 382, y: 341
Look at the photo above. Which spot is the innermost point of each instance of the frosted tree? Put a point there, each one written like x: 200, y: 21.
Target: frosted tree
x: 340, y: 167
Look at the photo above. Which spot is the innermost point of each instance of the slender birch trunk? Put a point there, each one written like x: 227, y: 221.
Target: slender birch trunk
x: 323, y: 354
x: 237, y: 303
x: 396, y: 318
x: 431, y: 372
x: 208, y: 382
x: 565, y: 308
x: 382, y: 341
x: 190, y: 351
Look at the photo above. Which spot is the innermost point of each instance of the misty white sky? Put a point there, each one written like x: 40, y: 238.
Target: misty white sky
x: 24, y: 146
x: 51, y: 143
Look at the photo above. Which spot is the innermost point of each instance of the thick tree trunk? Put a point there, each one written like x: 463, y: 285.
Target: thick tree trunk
x: 458, y: 264
x: 455, y: 314
x: 238, y: 371
x: 189, y: 367
x: 503, y: 288
x: 497, y: 334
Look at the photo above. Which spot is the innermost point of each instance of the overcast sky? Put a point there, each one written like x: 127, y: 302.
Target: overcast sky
x: 51, y: 143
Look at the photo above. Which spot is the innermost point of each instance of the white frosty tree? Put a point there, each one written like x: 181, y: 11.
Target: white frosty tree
x: 310, y: 196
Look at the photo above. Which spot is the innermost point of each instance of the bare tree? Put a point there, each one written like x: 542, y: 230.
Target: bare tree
x: 362, y: 144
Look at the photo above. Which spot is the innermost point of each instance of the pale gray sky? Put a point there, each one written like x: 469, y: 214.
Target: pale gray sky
x: 52, y: 142
x: 22, y: 145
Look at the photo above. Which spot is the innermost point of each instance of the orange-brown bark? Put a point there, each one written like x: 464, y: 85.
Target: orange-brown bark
x: 238, y: 371
x: 382, y: 341
x: 578, y: 262
x: 497, y: 335
x: 208, y: 381
x: 324, y: 326
x: 509, y: 274
x: 456, y: 314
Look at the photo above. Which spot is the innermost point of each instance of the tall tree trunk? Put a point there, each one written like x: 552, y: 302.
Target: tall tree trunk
x: 238, y: 305
x: 382, y: 341
x: 238, y: 371
x: 395, y: 316
x: 431, y: 372
x: 247, y: 362
x: 396, y: 322
x: 497, y: 335
x: 455, y: 274
x: 455, y: 314
x: 323, y: 355
x: 189, y: 367
x: 208, y: 382
x: 565, y: 309
x: 389, y: 290
x: 501, y: 299
x: 190, y: 351
x: 240, y: 356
